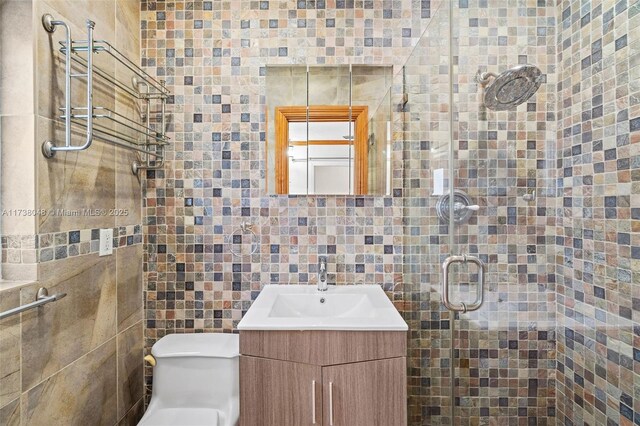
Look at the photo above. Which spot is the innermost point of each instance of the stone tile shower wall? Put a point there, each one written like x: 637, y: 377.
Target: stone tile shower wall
x: 505, y: 365
x: 598, y: 234
x: 212, y: 55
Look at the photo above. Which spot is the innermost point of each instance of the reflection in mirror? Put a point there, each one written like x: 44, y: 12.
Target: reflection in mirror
x: 319, y: 152
x: 341, y: 143
x: 325, y: 156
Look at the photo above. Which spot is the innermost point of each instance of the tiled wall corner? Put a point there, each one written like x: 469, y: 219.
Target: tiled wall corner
x: 598, y: 234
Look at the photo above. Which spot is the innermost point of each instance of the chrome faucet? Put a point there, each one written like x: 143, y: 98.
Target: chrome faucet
x: 322, y: 273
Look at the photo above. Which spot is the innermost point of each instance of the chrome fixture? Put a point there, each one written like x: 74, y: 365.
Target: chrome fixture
x: 42, y: 298
x: 462, y: 207
x: 322, y: 273
x: 462, y: 307
x: 236, y: 238
x: 511, y: 87
x: 529, y: 197
x: 101, y: 123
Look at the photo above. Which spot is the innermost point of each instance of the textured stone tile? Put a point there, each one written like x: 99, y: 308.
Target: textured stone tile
x: 134, y: 415
x: 129, y: 286
x: 71, y: 182
x: 128, y: 186
x: 10, y: 373
x: 130, y: 369
x: 62, y: 331
x: 18, y: 188
x: 16, y: 71
x: 10, y: 414
x: 84, y: 393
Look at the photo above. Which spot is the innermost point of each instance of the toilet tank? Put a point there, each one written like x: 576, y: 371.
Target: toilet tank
x: 197, y: 371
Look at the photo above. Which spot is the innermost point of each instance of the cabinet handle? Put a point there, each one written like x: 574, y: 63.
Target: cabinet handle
x: 313, y: 401
x: 330, y: 403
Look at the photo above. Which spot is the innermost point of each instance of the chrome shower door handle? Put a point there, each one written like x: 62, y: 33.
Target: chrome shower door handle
x: 462, y: 307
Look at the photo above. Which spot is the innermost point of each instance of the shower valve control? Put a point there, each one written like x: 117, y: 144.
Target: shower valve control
x: 462, y: 207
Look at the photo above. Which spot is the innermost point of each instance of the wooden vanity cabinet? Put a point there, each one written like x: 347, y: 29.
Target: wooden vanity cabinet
x: 331, y: 378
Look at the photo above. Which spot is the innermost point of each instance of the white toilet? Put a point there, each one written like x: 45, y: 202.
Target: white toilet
x: 195, y: 381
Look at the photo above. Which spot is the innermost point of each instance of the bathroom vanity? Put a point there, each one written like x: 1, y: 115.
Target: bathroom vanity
x: 322, y: 358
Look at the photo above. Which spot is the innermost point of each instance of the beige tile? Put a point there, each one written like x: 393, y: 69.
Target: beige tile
x: 74, y: 181
x: 20, y: 272
x: 128, y: 186
x: 84, y: 393
x: 134, y: 415
x: 16, y: 71
x: 18, y: 173
x: 9, y: 348
x: 130, y: 368
x: 129, y: 287
x: 58, y: 334
x: 10, y: 414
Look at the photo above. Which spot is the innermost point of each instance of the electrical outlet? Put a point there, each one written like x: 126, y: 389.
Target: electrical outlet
x: 106, y: 242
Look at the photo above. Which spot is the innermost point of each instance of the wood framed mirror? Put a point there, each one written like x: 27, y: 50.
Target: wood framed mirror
x: 352, y: 147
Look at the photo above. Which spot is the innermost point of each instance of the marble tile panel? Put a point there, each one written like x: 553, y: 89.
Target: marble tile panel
x: 18, y: 174
x: 58, y: 334
x: 10, y: 414
x: 83, y: 393
x: 9, y: 348
x: 134, y: 415
x: 130, y: 368
x: 129, y: 287
x: 16, y: 71
x: 71, y: 182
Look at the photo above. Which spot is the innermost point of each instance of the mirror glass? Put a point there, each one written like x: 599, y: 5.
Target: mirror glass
x: 328, y: 130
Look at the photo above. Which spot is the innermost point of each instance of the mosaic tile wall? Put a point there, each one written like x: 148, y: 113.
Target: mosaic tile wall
x: 505, y: 365
x: 212, y: 56
x: 598, y: 234
x: 60, y: 245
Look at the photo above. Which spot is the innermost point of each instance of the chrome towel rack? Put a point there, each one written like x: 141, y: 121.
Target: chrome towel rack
x: 42, y: 298
x: 147, y: 138
x: 236, y: 238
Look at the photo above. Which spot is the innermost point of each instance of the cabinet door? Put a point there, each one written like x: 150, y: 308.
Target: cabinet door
x: 279, y: 393
x: 371, y: 393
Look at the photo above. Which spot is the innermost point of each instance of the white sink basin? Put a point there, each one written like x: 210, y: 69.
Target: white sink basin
x: 303, y: 307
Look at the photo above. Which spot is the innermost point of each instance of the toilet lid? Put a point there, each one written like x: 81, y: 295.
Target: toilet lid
x: 180, y: 417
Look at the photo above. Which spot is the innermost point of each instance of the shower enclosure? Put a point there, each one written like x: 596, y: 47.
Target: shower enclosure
x: 499, y: 166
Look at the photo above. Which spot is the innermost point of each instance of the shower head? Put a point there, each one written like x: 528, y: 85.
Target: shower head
x: 511, y: 87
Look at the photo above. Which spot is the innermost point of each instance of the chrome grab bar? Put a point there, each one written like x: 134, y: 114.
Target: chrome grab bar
x: 462, y: 307
x: 42, y: 298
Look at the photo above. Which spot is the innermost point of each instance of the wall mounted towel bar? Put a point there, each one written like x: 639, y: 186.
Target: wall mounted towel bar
x: 139, y: 134
x: 42, y: 298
